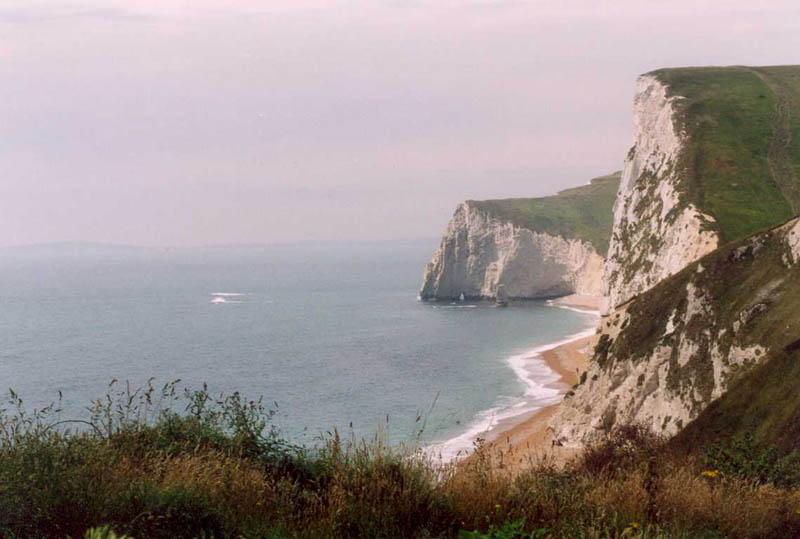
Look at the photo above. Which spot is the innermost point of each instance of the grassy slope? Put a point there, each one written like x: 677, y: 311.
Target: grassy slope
x: 787, y: 81
x: 737, y: 167
x: 733, y: 286
x: 584, y: 212
x: 762, y: 401
x: 742, y: 167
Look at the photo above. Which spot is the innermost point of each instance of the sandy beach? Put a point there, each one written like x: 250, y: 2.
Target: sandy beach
x: 516, y: 438
x: 517, y: 441
x: 580, y: 302
x: 531, y: 437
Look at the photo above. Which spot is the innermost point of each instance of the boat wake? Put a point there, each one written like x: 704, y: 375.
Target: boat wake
x: 225, y: 297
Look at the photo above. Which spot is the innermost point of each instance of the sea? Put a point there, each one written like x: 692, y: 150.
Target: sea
x: 331, y: 335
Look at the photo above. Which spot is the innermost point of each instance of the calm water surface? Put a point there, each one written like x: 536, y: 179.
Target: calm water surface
x: 333, y: 333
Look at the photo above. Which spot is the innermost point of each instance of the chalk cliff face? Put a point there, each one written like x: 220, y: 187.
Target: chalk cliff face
x: 665, y: 356
x: 713, y: 163
x: 685, y: 318
x: 656, y: 231
x: 479, y: 252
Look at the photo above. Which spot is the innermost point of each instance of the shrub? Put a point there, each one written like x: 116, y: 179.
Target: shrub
x: 510, y: 530
x: 218, y: 469
x: 103, y: 532
x: 741, y: 457
x: 625, y: 447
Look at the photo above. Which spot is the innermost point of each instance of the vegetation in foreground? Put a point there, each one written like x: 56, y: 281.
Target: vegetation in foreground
x: 139, y: 468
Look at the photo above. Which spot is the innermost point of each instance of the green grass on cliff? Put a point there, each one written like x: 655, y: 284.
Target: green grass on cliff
x: 733, y: 279
x: 584, y: 212
x: 742, y: 159
x: 764, y: 404
x: 754, y: 299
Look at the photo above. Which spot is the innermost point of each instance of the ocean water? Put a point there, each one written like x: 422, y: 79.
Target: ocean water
x: 334, y: 333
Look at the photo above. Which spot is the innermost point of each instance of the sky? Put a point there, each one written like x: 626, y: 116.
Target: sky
x: 167, y: 123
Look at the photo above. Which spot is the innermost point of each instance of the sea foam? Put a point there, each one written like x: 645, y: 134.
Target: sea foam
x: 222, y: 297
x: 542, y: 388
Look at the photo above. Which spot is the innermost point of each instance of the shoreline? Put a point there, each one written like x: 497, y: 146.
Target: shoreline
x: 530, y: 439
x: 548, y: 371
x: 578, y: 302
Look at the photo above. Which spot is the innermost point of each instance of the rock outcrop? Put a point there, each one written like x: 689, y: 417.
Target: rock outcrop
x: 479, y: 252
x: 532, y: 248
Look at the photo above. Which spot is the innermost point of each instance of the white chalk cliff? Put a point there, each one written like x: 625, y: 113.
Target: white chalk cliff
x: 656, y: 232
x: 671, y: 365
x: 478, y: 252
x: 670, y: 341
x: 676, y: 330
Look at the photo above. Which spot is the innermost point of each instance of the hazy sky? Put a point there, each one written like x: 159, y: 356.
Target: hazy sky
x: 196, y: 122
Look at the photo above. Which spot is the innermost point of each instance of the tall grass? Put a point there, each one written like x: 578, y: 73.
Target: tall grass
x: 157, y: 462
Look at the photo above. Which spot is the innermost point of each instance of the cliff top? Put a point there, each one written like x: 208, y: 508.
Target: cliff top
x: 741, y: 159
x: 583, y: 212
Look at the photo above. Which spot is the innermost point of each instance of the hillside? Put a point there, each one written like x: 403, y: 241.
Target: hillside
x: 579, y: 213
x: 664, y: 357
x: 740, y: 164
x: 702, y: 274
x: 713, y: 161
x: 764, y: 405
x: 530, y: 247
x: 152, y: 464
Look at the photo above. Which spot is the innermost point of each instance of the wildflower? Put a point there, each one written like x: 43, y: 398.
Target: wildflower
x: 711, y: 474
x: 497, y: 506
x: 630, y: 530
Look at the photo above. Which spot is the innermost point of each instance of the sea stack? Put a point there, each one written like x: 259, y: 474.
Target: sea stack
x: 501, y: 299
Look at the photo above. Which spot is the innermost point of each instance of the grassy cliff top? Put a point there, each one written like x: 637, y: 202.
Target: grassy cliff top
x: 584, y: 212
x: 742, y: 158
